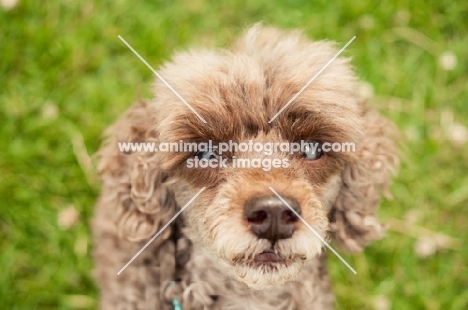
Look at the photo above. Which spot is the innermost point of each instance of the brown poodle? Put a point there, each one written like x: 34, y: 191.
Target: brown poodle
x: 238, y: 245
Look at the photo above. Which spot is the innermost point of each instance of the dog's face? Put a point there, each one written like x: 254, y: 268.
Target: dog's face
x: 250, y: 230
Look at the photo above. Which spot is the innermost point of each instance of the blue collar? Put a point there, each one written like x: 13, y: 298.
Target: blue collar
x: 176, y: 303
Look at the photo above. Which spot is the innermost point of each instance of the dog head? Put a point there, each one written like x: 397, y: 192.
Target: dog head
x: 262, y: 224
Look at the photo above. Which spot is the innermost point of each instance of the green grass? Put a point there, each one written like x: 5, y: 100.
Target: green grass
x: 65, y: 57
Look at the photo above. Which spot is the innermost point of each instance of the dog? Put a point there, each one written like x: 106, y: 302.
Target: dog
x: 245, y: 238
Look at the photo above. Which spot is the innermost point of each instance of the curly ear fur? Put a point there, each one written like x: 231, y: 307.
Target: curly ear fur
x: 132, y: 182
x: 353, y: 216
x: 134, y: 197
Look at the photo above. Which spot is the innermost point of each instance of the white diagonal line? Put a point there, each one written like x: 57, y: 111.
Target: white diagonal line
x: 163, y: 80
x: 311, y: 80
x: 161, y: 230
x: 313, y: 231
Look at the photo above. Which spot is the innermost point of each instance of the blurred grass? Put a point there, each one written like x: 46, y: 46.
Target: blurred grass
x: 65, y: 76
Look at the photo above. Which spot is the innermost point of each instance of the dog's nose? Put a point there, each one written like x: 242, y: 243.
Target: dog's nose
x: 270, y: 218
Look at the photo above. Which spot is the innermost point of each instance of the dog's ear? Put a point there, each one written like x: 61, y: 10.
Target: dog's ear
x: 353, y: 216
x: 134, y: 192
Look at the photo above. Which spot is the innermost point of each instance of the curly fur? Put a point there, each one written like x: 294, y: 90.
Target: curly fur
x: 208, y: 250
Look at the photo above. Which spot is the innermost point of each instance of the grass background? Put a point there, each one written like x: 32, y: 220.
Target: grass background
x: 65, y: 76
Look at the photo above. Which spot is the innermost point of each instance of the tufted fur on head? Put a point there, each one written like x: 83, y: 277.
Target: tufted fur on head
x: 210, y: 250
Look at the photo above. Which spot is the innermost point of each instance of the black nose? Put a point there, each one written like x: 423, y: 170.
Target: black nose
x: 270, y: 218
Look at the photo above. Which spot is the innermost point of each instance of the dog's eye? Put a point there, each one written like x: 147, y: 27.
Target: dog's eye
x: 208, y: 155
x: 312, y: 150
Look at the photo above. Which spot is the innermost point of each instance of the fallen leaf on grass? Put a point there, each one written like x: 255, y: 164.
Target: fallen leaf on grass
x: 448, y: 61
x: 381, y: 302
x: 68, y: 217
x: 459, y: 134
x: 8, y: 4
x: 429, y: 245
x: 50, y: 111
x: 428, y: 242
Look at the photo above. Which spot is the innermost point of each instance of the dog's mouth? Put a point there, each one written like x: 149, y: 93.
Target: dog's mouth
x: 268, y: 268
x: 272, y: 259
x: 269, y: 257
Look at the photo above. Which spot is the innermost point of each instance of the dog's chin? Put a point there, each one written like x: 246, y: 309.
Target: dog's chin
x: 268, y: 269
